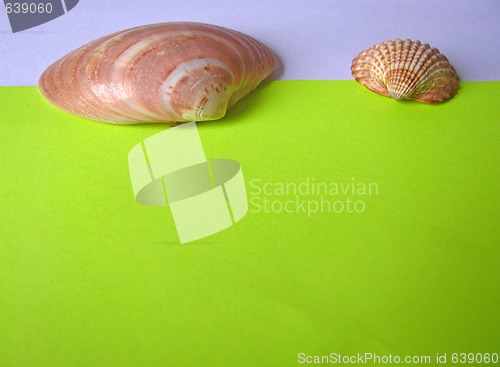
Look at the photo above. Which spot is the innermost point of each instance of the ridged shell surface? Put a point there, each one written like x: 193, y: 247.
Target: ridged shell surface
x: 168, y: 72
x: 406, y: 70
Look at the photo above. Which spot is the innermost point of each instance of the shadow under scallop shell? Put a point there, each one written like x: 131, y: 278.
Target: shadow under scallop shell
x: 248, y: 104
x: 279, y: 68
x: 234, y: 114
x: 245, y: 107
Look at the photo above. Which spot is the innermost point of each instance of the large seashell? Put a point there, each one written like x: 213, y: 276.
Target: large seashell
x: 406, y: 70
x: 167, y: 72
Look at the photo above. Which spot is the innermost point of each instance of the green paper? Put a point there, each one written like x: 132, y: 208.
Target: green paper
x: 89, y: 277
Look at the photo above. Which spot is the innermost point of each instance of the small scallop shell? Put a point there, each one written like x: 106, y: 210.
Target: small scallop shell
x: 167, y: 72
x: 406, y: 70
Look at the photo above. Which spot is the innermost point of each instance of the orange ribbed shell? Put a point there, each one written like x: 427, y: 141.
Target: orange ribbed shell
x: 406, y: 70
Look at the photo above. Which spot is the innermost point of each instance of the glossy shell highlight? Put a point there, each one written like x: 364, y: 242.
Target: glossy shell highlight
x: 406, y: 70
x: 160, y: 73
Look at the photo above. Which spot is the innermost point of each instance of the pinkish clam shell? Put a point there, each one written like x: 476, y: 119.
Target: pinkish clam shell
x: 406, y: 70
x: 167, y: 72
